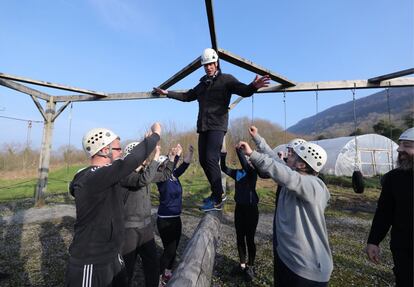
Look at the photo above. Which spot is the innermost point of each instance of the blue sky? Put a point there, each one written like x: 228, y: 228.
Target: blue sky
x: 127, y: 46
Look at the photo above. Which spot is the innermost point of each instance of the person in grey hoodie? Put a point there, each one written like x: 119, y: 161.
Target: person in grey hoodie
x: 302, y: 249
x: 139, y: 229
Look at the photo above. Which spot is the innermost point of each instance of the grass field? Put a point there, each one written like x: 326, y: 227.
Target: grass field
x: 25, y: 256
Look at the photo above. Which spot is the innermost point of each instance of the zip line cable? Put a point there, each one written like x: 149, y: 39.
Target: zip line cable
x: 23, y: 120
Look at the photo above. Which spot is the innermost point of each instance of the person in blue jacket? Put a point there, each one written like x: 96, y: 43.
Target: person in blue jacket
x: 169, y: 211
x: 246, y: 214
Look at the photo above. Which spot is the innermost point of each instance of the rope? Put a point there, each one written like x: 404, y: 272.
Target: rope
x: 317, y: 107
x: 284, y: 107
x: 389, y: 122
x: 355, y: 128
x: 252, y: 109
x: 69, y: 136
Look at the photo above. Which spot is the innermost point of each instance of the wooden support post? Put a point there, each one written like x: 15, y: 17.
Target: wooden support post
x: 45, y: 153
x: 197, y: 262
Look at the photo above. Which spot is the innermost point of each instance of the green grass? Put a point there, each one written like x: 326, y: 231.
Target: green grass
x: 58, y: 181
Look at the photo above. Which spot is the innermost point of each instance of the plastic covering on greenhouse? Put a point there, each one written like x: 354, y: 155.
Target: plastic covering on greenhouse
x: 376, y: 155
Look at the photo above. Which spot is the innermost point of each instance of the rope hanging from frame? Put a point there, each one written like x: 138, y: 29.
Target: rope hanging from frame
x: 389, y: 122
x: 284, y: 108
x: 357, y: 178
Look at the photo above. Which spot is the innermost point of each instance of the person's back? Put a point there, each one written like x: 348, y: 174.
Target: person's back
x: 303, y: 255
x: 99, y: 227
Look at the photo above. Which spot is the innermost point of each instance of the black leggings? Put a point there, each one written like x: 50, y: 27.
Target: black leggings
x: 209, y: 146
x: 245, y: 220
x: 170, y: 233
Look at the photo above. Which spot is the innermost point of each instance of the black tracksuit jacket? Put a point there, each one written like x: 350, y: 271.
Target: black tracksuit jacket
x: 213, y: 95
x: 99, y: 226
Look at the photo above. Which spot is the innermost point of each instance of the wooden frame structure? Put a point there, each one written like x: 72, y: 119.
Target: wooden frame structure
x: 198, y: 259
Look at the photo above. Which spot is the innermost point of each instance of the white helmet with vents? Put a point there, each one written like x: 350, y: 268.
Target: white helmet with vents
x: 162, y: 158
x: 129, y: 147
x: 408, y: 135
x: 209, y: 56
x: 314, y: 155
x: 295, y: 142
x: 96, y: 139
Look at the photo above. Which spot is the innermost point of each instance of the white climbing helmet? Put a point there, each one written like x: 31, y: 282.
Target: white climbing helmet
x: 96, y: 139
x: 209, y: 56
x: 295, y: 142
x: 312, y: 154
x: 129, y: 147
x: 407, y: 135
x: 161, y: 159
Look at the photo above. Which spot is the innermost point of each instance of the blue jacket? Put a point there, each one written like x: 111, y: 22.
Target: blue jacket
x: 171, y: 193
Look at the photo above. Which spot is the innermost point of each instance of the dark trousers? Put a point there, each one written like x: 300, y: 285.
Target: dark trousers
x: 403, y: 267
x: 286, y: 278
x: 246, y: 218
x: 170, y: 233
x: 99, y: 275
x: 134, y: 245
x: 209, y: 146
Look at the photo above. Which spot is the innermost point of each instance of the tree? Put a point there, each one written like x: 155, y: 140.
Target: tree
x: 408, y: 120
x: 358, y: 132
x: 387, y: 129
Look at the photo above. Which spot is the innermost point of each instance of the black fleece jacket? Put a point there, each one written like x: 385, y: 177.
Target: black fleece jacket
x: 213, y: 95
x: 99, y: 226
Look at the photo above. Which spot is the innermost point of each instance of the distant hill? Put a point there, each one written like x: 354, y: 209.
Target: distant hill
x: 339, y: 120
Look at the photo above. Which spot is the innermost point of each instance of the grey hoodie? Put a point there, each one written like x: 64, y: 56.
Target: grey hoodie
x: 302, y: 238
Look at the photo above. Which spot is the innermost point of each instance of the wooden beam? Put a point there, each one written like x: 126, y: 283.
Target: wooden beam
x: 23, y: 89
x: 61, y: 109
x: 111, y: 97
x: 51, y: 85
x: 211, y: 25
x: 39, y: 107
x: 197, y: 262
x: 391, y: 76
x: 235, y: 103
x: 194, y: 65
x: 338, y: 85
x: 248, y: 65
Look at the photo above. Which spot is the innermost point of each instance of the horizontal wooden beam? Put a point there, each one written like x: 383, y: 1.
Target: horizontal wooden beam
x: 25, y: 90
x: 391, y: 76
x: 197, y: 262
x: 194, y: 65
x: 250, y: 66
x: 338, y: 85
x: 299, y: 87
x: 110, y: 97
x: 50, y: 85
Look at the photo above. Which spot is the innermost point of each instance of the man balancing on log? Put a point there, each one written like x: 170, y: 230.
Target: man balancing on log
x: 213, y: 94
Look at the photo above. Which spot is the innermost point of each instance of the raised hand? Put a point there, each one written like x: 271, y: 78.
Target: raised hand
x: 179, y: 149
x: 245, y: 148
x: 156, y: 128
x: 253, y: 131
x: 159, y: 91
x: 157, y: 152
x: 261, y: 82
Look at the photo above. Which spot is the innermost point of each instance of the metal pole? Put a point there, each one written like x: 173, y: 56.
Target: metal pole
x: 45, y: 153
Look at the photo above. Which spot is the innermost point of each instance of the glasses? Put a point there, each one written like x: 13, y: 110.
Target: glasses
x: 117, y: 148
